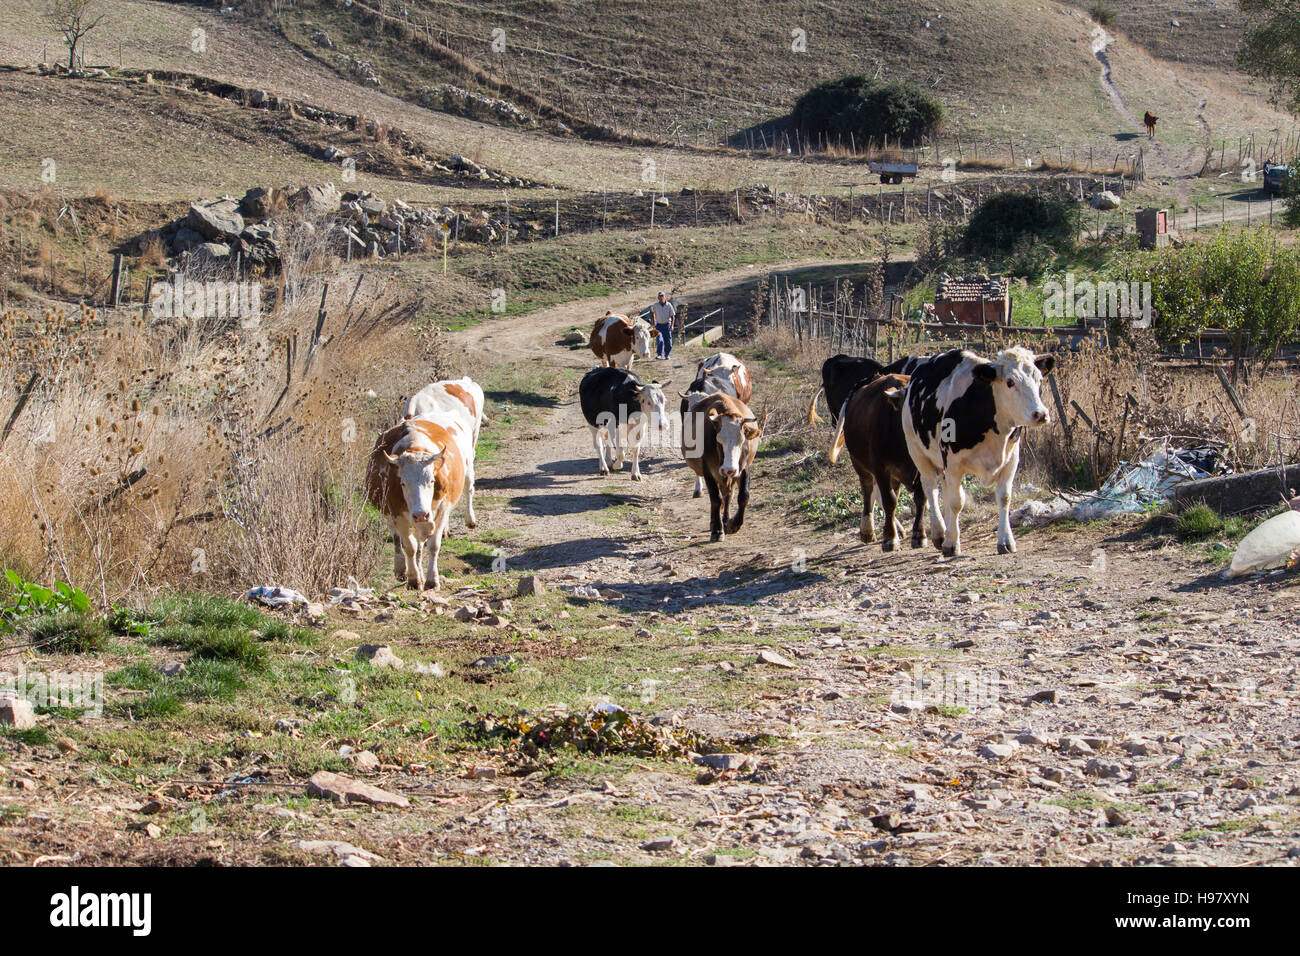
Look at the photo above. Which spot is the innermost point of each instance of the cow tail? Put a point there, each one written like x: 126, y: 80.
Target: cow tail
x: 813, y: 417
x: 838, y: 445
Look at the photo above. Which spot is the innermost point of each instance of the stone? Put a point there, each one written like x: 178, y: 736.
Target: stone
x: 997, y: 751
x: 217, y: 220
x: 347, y: 637
x: 261, y: 202
x: 174, y: 669
x: 344, y: 790
x: 1045, y: 697
x: 337, y: 847
x: 366, y: 762
x: 17, y: 713
x: 775, y: 659
x: 1116, y: 817
x: 1105, y: 200
x: 1097, y: 767
x: 379, y: 655
x: 316, y: 200
x: 723, y: 762
x: 660, y: 844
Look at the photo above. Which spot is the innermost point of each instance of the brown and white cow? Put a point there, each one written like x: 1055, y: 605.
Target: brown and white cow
x: 719, y: 441
x: 459, y: 401
x: 719, y: 374
x: 617, y: 340
x: 728, y: 374
x: 415, y: 477
x: 871, y: 427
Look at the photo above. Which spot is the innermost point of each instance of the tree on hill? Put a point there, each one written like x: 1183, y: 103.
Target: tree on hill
x: 861, y: 109
x: 74, y: 19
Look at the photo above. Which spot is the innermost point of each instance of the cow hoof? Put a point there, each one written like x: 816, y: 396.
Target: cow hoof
x: 636, y: 476
x: 920, y: 542
x: 1004, y: 548
x: 733, y: 527
x: 603, y: 471
x: 950, y: 552
x: 697, y: 494
x: 716, y: 536
x: 888, y: 545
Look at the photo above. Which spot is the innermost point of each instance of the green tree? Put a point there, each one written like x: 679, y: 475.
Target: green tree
x: 1271, y: 47
x: 866, y: 109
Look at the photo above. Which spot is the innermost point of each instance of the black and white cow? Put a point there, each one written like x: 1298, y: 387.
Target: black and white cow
x: 622, y: 411
x: 963, y: 415
x: 842, y: 374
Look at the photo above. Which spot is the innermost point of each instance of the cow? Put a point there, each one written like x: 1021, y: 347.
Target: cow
x: 1149, y: 121
x: 415, y: 477
x: 729, y: 373
x: 723, y: 374
x: 622, y: 410
x: 871, y: 427
x: 841, y: 374
x: 964, y: 415
x: 454, y: 401
x: 618, y: 340
x: 719, y: 441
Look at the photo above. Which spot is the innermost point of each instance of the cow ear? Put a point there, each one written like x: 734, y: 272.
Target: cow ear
x: 714, y: 414
x: 752, y: 431
x: 986, y: 371
x: 664, y: 383
x: 684, y: 394
x: 1045, y: 363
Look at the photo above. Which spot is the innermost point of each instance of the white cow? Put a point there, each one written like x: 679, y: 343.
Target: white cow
x: 459, y: 401
x: 963, y: 415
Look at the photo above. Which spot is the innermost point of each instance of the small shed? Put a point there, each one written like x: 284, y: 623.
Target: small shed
x: 973, y: 300
x: 1152, y: 228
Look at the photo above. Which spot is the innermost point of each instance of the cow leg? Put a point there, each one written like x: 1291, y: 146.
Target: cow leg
x: 932, y: 491
x: 636, y: 435
x: 411, y: 551
x: 918, y: 513
x: 889, y: 501
x: 954, y: 499
x: 715, y: 507
x: 866, y: 528
x: 742, y: 499
x: 699, y: 487
x: 618, y: 438
x: 434, y: 545
x: 471, y: 520
x: 1002, y: 480
x: 399, y: 559
x: 598, y: 440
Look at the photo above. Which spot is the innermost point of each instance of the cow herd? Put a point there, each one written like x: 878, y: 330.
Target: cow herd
x: 923, y: 424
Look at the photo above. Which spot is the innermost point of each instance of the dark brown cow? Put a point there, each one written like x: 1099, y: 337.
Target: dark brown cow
x: 1149, y: 120
x: 617, y: 340
x: 719, y: 441
x: 871, y: 427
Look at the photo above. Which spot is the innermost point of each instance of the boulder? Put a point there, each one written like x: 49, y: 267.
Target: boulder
x: 217, y: 220
x: 345, y: 790
x: 262, y: 202
x: 17, y: 713
x: 316, y: 200
x: 1105, y: 200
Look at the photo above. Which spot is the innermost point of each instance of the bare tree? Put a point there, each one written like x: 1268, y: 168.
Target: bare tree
x: 74, y: 19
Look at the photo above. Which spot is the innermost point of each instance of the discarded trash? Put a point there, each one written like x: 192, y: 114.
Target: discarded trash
x: 1131, y: 488
x: 1269, y: 546
x: 586, y: 591
x: 353, y: 592
x: 276, y: 597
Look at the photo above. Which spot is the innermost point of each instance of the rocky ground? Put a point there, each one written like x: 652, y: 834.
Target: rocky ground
x: 1102, y: 697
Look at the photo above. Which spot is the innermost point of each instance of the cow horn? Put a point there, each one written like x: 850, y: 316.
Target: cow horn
x: 813, y: 417
x: 392, y: 459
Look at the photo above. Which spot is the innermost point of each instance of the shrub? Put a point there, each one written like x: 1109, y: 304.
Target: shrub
x: 866, y: 110
x: 1102, y: 14
x: 1005, y: 219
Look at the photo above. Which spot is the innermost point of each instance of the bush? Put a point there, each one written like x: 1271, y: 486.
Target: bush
x: 1005, y: 220
x: 1102, y: 14
x: 867, y: 110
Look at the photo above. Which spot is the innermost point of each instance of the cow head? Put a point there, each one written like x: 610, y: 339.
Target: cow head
x: 734, y: 435
x: 416, y: 472
x: 1016, y: 377
x: 654, y: 405
x: 642, y: 338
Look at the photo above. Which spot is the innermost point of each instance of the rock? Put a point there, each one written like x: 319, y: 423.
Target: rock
x: 1105, y: 200
x: 316, y: 200
x: 886, y: 821
x: 482, y: 773
x: 174, y: 669
x: 575, y: 337
x: 366, y: 762
x: 344, y: 790
x: 502, y: 662
x: 429, y: 670
x: 660, y: 844
x: 262, y: 202
x: 1097, y: 767
x: 379, y: 655
x: 1116, y: 817
x: 997, y: 751
x: 347, y: 637
x: 643, y: 633
x: 775, y: 659
x: 217, y: 220
x: 1031, y: 739
x: 722, y: 762
x: 1045, y: 697
x: 906, y: 707
x: 209, y: 254
x: 1075, y: 746
x: 17, y: 713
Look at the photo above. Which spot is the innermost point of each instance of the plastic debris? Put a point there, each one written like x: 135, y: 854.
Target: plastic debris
x: 276, y: 597
x: 353, y: 593
x: 1271, y: 545
x: 1131, y: 488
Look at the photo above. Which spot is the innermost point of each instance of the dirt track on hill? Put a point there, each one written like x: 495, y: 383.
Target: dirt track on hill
x: 1100, y: 697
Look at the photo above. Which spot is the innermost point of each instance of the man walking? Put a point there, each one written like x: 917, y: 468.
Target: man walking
x: 663, y: 314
